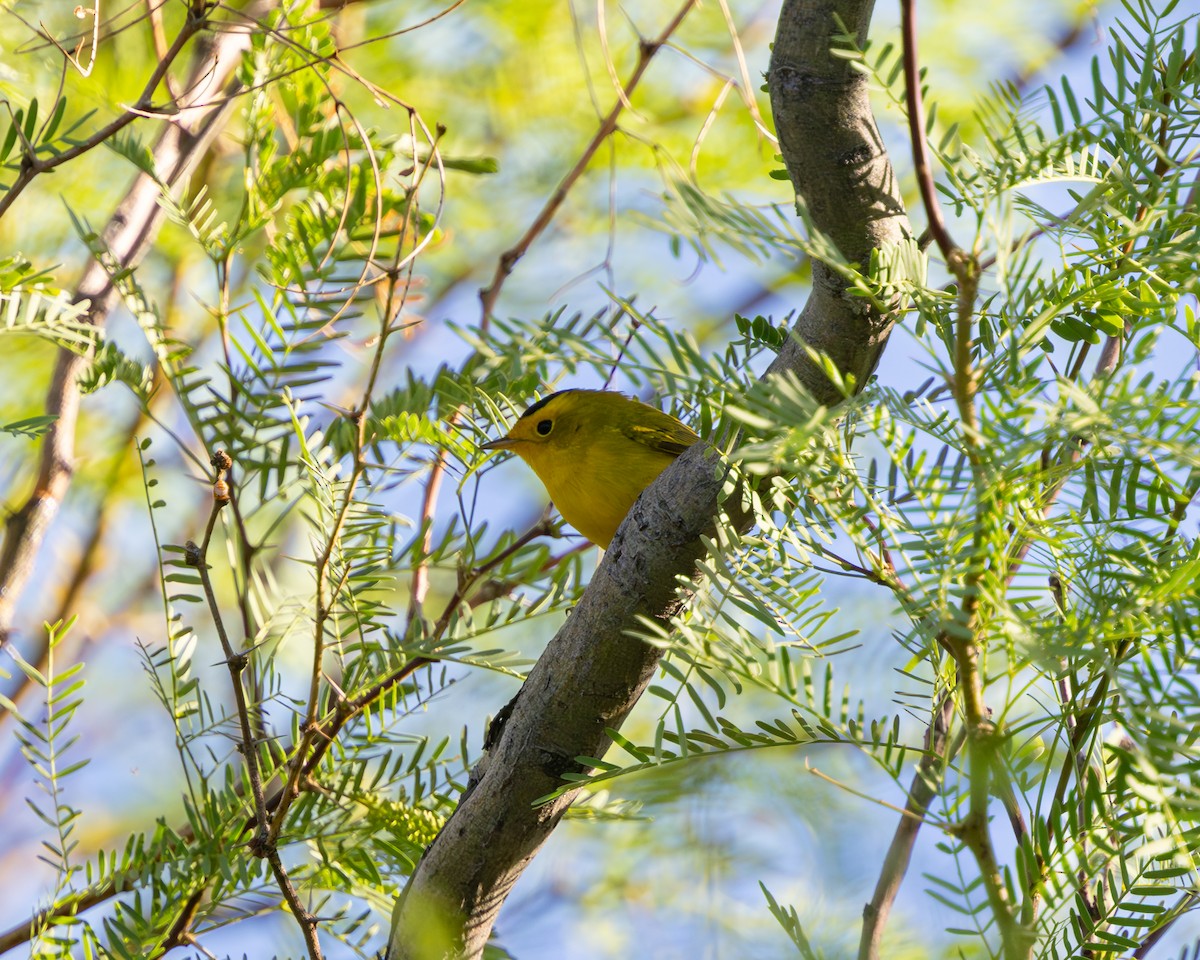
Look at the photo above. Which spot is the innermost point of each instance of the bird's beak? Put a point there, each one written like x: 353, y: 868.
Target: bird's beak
x: 504, y: 443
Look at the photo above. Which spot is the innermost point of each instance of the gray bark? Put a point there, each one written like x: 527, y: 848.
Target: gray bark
x: 593, y: 672
x: 840, y: 169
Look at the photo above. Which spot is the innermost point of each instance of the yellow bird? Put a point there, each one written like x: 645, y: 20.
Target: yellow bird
x: 595, y: 451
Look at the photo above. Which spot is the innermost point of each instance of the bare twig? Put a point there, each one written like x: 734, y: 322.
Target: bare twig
x: 262, y: 844
x: 647, y: 50
x: 197, y: 556
x: 916, y: 131
x: 307, y: 922
x: 31, y: 166
x: 925, y: 785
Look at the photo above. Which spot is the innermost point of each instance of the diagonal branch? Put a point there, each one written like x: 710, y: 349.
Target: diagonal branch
x: 925, y: 786
x: 595, y: 668
x: 647, y: 50
x: 127, y: 236
x: 31, y: 166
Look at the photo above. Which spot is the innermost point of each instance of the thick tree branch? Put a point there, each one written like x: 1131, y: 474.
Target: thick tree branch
x: 842, y: 174
x: 593, y: 671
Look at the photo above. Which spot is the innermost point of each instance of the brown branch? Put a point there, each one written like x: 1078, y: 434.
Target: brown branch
x: 916, y: 133
x: 261, y: 844
x: 925, y: 786
x: 158, y: 35
x: 24, y: 931
x: 31, y: 167
x: 647, y: 50
x: 197, y: 556
x: 974, y: 829
x: 127, y: 236
x: 180, y: 933
x: 429, y: 498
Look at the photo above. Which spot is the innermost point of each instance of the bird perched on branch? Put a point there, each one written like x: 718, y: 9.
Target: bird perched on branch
x: 595, y: 451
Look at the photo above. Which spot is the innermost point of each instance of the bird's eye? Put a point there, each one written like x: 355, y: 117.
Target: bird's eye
x: 544, y: 427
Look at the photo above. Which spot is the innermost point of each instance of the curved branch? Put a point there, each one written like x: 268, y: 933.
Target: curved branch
x: 842, y: 174
x: 916, y: 133
x: 594, y: 670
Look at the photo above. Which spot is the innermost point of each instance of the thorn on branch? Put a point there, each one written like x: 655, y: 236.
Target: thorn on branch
x: 315, y: 730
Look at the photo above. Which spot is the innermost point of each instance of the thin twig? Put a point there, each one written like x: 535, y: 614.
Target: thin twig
x: 307, y: 922
x: 647, y: 50
x: 916, y: 130
x: 31, y: 166
x: 197, y: 556
x: 973, y: 830
x: 925, y: 785
x: 159, y: 35
x: 262, y: 844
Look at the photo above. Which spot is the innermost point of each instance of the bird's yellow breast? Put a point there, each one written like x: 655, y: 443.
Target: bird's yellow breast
x: 595, y: 484
x: 595, y: 451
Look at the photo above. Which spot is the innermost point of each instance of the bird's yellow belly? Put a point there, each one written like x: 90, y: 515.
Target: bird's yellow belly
x: 599, y: 489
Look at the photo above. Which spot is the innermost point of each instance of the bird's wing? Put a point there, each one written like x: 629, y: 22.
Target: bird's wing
x: 665, y: 434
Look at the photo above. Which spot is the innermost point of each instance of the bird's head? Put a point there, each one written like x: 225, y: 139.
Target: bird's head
x: 554, y: 422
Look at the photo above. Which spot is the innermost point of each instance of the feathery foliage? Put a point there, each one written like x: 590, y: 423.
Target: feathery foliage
x: 338, y: 596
